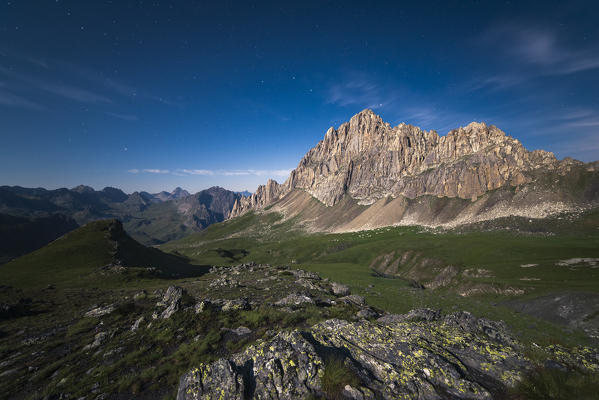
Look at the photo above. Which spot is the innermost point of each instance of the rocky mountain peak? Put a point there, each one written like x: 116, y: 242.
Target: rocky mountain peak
x: 178, y: 193
x: 368, y: 159
x: 83, y: 189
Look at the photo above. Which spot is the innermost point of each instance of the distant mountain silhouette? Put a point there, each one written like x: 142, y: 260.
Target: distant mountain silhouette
x: 149, y: 218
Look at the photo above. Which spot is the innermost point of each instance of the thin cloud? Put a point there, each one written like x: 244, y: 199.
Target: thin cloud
x: 530, y: 52
x: 195, y: 172
x: 359, y: 91
x: 58, y: 89
x: 234, y: 173
x: 73, y: 93
x: 90, y: 87
x: 9, y: 99
x: 155, y: 171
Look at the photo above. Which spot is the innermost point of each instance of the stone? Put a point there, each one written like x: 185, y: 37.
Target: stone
x: 100, y: 311
x: 171, y: 300
x: 202, y: 306
x: 340, y: 289
x: 367, y: 313
x: 295, y: 299
x: 240, y: 331
x: 173, y: 294
x: 136, y: 324
x: 140, y: 295
x: 285, y: 367
x: 353, y: 299
x: 235, y: 304
x: 300, y: 273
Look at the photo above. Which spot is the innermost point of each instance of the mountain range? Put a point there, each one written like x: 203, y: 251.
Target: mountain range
x: 276, y: 279
x: 149, y: 218
x: 367, y: 174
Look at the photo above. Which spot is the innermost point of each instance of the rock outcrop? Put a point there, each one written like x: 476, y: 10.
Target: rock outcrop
x: 417, y: 355
x: 263, y: 196
x: 369, y: 160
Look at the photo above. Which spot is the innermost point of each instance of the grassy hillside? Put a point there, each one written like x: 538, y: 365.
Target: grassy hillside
x: 97, y: 254
x: 491, y: 267
x: 265, y: 238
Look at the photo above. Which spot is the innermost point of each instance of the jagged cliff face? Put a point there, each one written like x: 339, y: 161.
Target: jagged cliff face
x: 368, y: 159
x: 263, y: 196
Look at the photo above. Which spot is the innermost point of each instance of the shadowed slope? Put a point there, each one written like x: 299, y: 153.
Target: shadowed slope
x: 97, y: 253
x: 20, y: 235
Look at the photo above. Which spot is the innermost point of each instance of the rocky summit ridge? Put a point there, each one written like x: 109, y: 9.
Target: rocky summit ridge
x: 369, y: 160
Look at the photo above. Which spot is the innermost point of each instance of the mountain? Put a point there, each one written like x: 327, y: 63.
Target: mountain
x: 149, y: 218
x: 98, y: 249
x: 169, y: 220
x: 19, y: 235
x: 177, y: 193
x: 369, y: 174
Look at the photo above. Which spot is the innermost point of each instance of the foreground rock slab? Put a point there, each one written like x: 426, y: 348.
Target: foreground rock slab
x: 457, y: 356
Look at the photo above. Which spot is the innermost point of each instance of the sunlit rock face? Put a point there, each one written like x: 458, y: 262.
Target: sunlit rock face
x: 368, y: 159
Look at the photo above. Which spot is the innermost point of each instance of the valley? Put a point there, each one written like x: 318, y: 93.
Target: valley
x: 377, y: 289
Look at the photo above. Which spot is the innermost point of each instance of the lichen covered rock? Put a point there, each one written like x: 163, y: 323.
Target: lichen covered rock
x: 286, y: 367
x: 171, y: 300
x: 421, y: 356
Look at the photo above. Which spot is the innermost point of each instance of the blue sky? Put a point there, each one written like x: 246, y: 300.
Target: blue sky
x: 147, y: 95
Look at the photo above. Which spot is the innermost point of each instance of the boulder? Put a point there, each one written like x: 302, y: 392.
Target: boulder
x: 295, y: 299
x: 339, y: 289
x: 171, y: 300
x: 100, y: 311
x: 418, y: 355
x: 235, y: 304
x: 286, y: 367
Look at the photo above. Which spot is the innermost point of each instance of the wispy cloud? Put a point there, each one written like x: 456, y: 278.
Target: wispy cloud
x: 195, y: 171
x: 148, y: 171
x: 357, y: 90
x: 73, y: 93
x: 9, y: 99
x: 210, y: 172
x: 69, y: 81
x: 529, y: 52
x: 57, y: 88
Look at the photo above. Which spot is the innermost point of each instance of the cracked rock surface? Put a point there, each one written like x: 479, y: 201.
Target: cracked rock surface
x: 420, y: 355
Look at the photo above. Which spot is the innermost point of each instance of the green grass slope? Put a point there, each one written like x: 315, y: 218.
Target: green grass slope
x: 514, y: 258
x: 98, y: 254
